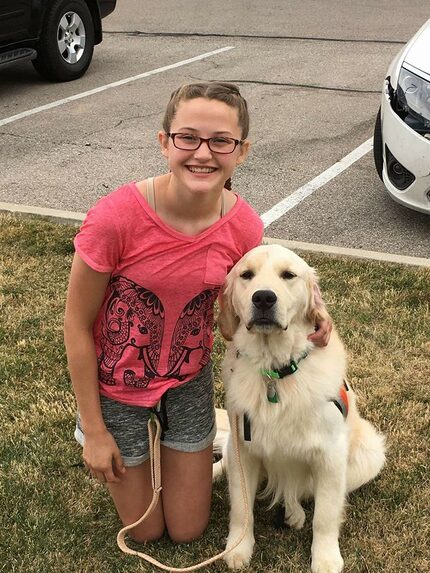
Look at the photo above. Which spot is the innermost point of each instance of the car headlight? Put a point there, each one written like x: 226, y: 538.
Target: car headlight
x: 413, y: 97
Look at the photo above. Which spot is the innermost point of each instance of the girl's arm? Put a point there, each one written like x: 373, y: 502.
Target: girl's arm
x: 84, y: 298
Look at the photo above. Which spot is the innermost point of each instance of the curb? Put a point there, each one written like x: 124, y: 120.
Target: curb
x: 76, y: 218
x: 354, y: 253
x: 53, y: 214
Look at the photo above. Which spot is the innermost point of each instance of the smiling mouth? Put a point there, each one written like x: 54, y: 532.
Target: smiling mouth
x: 204, y: 170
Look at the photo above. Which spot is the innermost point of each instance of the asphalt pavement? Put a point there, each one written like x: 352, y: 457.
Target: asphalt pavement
x: 312, y: 73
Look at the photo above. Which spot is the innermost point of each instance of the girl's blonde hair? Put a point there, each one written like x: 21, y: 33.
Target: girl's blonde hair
x: 221, y: 91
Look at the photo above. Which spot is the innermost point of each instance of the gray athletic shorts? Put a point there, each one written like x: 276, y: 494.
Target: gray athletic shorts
x: 190, y: 419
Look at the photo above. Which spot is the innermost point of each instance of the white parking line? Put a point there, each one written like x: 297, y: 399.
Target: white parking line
x: 59, y: 102
x: 278, y: 210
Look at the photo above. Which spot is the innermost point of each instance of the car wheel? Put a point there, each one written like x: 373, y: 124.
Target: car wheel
x: 378, y: 155
x: 66, y: 45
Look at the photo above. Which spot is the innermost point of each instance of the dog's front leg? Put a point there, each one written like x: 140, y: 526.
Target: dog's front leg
x: 329, y: 473
x: 241, y: 555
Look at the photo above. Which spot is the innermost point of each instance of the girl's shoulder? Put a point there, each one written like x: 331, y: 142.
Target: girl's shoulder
x: 247, y: 226
x: 107, y: 228
x: 122, y: 194
x: 121, y: 200
x: 115, y: 208
x: 245, y: 214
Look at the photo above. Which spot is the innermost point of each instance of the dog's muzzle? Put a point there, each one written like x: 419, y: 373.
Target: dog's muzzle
x: 263, y: 313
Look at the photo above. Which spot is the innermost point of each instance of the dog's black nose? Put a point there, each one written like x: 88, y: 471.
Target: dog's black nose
x: 264, y: 299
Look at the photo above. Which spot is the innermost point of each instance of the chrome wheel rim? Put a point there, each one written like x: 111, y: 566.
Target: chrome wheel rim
x: 71, y: 37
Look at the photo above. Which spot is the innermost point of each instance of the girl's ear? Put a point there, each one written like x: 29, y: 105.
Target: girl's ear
x: 163, y: 139
x: 244, y: 150
x: 227, y: 319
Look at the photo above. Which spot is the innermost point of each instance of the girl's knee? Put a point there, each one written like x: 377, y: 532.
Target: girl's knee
x: 186, y: 533
x: 181, y: 534
x: 142, y: 535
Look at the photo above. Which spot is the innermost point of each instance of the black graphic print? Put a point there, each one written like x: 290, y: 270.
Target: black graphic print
x: 134, y: 317
x: 194, y: 324
x: 134, y: 321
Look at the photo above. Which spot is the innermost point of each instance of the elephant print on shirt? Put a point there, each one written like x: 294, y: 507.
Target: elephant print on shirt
x: 134, y: 320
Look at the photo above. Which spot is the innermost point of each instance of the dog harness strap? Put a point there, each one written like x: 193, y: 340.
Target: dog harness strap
x: 342, y: 401
x: 246, y: 428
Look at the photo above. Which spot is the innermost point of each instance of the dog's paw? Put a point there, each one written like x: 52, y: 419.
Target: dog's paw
x: 327, y: 560
x: 295, y: 516
x: 241, y: 555
x: 237, y: 559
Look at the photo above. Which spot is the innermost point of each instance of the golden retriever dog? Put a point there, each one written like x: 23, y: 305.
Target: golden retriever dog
x: 299, y: 427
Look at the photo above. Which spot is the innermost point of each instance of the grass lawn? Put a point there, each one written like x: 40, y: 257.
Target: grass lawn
x: 55, y: 519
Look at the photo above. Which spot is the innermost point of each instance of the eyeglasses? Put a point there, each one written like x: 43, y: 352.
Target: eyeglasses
x: 189, y: 142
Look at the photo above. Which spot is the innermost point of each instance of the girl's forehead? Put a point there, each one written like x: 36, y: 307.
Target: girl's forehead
x: 199, y: 113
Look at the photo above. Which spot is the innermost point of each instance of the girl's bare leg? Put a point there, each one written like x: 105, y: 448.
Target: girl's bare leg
x: 187, y: 492
x: 132, y: 496
x: 185, y: 499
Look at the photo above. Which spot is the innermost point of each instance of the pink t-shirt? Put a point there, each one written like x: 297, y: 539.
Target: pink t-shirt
x: 154, y: 328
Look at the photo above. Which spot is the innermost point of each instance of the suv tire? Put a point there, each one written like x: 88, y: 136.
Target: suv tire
x: 66, y: 46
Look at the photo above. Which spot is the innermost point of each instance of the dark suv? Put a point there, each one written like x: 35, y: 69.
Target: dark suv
x: 57, y: 35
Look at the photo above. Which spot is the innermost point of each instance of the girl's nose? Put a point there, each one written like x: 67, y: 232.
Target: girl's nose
x: 203, y: 151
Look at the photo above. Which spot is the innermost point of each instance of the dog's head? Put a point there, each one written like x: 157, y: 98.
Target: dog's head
x: 268, y: 289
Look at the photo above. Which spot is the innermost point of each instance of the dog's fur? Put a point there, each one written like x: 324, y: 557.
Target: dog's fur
x: 302, y: 445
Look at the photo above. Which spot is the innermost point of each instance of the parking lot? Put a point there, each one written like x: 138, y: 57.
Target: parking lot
x: 312, y: 73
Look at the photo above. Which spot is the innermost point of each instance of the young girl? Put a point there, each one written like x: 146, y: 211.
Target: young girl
x: 150, y: 260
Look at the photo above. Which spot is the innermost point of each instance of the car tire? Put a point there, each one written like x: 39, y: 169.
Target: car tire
x: 378, y: 152
x: 66, y: 45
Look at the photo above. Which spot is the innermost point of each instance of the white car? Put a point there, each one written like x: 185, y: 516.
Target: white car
x: 401, y: 144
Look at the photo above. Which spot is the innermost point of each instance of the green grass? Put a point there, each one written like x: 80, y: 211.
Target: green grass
x: 55, y: 519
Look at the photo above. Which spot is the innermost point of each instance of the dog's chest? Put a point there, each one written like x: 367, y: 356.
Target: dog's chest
x: 297, y: 425
x: 281, y: 434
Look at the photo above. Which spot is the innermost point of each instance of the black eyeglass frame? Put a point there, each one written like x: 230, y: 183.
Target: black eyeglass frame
x: 206, y: 140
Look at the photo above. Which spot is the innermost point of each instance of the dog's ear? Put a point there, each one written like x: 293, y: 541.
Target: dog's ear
x: 316, y: 311
x: 227, y: 319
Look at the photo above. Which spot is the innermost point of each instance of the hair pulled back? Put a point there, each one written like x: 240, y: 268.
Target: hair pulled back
x: 221, y: 91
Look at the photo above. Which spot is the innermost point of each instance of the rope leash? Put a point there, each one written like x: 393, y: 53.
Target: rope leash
x: 154, y: 453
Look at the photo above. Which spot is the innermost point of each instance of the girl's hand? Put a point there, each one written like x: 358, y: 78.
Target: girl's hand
x: 102, y: 457
x: 321, y: 336
x: 324, y: 324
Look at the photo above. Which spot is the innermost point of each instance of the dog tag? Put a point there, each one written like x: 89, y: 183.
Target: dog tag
x: 272, y: 395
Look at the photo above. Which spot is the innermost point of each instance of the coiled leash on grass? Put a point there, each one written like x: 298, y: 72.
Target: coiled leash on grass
x: 154, y: 453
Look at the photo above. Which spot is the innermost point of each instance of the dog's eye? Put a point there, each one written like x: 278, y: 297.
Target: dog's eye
x: 247, y: 275
x: 287, y: 275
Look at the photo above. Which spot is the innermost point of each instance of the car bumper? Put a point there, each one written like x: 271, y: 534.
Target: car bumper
x: 410, y: 149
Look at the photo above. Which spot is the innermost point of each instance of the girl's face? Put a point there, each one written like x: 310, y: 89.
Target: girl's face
x: 202, y: 170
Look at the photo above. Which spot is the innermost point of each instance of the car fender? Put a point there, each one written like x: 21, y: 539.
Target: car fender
x: 411, y: 54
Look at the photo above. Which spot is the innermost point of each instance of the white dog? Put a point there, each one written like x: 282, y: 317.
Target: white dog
x: 298, y: 423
